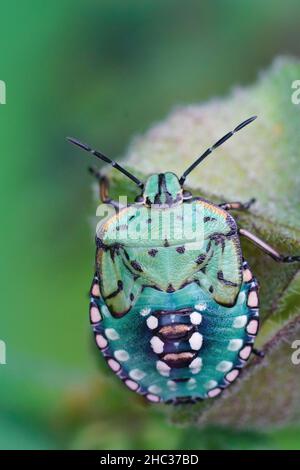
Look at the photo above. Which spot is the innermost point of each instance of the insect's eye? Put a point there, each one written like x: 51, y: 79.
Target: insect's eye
x: 139, y: 199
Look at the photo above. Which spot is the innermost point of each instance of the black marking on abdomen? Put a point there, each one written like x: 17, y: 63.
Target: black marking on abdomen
x: 179, y: 360
x: 174, y: 329
x: 180, y: 379
x: 136, y: 266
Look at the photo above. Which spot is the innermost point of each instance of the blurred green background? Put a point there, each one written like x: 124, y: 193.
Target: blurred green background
x: 102, y: 71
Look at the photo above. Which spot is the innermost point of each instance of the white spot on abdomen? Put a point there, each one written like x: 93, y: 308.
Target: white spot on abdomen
x: 235, y: 344
x: 210, y: 384
x: 196, y: 341
x: 201, y: 307
x: 240, y: 321
x: 241, y: 298
x: 196, y: 365
x: 196, y: 318
x: 191, y: 384
x: 145, y: 311
x: 112, y: 334
x: 163, y: 368
x: 154, y: 389
x: 172, y: 385
x: 157, y: 345
x: 121, y: 355
x: 152, y: 322
x: 137, y: 374
x: 224, y: 366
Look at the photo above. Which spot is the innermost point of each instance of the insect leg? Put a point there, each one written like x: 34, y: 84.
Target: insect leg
x: 103, y: 188
x: 227, y: 206
x: 267, y: 248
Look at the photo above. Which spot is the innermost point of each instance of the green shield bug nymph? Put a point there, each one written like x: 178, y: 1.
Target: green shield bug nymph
x: 173, y: 306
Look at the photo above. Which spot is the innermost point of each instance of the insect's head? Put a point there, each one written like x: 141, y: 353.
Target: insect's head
x: 162, y: 189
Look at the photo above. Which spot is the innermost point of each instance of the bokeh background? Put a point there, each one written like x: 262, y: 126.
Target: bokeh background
x: 103, y: 71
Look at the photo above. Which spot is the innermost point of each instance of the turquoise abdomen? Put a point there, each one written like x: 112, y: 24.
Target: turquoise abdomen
x: 179, y: 346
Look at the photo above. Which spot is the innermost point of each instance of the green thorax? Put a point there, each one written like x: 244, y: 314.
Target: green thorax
x: 139, y: 247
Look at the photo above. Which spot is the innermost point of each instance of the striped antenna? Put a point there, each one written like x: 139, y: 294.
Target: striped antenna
x: 103, y: 157
x: 211, y: 149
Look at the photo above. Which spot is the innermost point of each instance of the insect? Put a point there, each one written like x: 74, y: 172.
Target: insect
x: 175, y: 319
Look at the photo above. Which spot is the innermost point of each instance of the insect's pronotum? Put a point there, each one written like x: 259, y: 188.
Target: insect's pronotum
x: 175, y: 321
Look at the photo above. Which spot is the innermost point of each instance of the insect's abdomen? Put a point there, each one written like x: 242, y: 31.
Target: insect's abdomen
x: 176, y: 339
x: 180, y: 346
